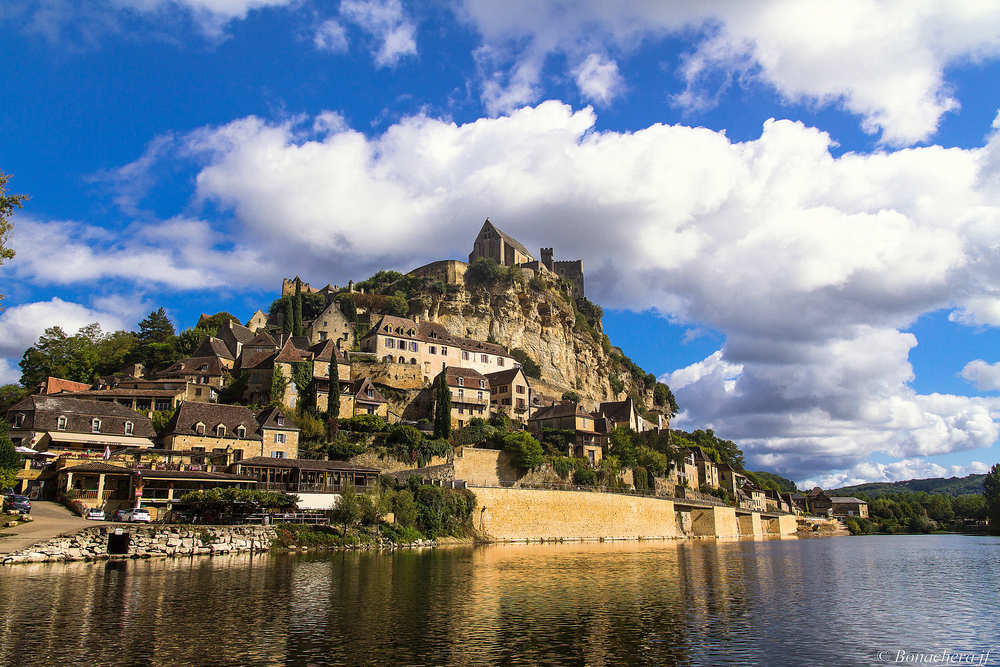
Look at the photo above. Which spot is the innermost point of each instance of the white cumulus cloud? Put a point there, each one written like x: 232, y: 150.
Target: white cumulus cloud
x: 598, y: 78
x: 21, y: 325
x: 983, y: 375
x: 387, y: 24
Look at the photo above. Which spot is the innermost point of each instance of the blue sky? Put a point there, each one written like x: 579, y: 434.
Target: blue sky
x: 823, y: 287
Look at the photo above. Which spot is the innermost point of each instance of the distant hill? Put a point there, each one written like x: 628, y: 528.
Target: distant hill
x: 778, y: 482
x: 951, y: 486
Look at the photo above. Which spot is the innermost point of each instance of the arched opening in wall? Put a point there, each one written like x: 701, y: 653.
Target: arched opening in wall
x: 402, y: 360
x: 413, y: 361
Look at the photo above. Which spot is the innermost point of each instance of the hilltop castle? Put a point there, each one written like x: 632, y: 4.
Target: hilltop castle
x: 492, y: 243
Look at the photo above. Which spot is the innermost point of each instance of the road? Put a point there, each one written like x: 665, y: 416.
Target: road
x: 49, y: 520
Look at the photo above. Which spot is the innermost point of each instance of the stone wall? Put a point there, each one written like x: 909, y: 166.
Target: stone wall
x: 483, y: 467
x: 147, y: 542
x: 529, y: 514
x: 391, y: 374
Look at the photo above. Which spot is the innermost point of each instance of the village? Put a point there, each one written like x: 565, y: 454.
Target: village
x: 232, y: 403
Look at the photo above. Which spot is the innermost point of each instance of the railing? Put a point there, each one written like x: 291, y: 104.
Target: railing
x: 551, y: 486
x: 300, y: 487
x: 286, y: 517
x: 91, y: 494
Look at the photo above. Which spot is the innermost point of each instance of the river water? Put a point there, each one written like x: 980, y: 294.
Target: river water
x: 833, y: 601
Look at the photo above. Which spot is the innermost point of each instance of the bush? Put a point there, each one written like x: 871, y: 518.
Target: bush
x: 585, y: 476
x: 571, y: 396
x: 477, y: 431
x: 617, y: 386
x: 525, y: 452
x: 363, y: 423
x: 484, y: 272
x: 404, y: 508
x: 343, y: 447
x: 563, y: 466
x: 528, y: 365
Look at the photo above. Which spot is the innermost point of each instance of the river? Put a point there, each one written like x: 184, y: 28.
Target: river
x: 834, y: 601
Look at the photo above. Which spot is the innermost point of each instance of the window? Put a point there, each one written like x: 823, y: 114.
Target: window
x: 482, y: 384
x: 499, y: 361
x: 199, y: 428
x: 479, y: 395
x: 414, y: 347
x: 520, y: 388
x: 465, y: 355
x: 162, y: 404
x: 461, y: 382
x: 129, y: 428
x: 197, y: 391
x: 390, y: 343
x: 432, y: 349
x: 95, y: 425
x: 461, y: 409
x: 277, y: 455
x: 19, y: 419
x: 444, y: 350
x: 402, y: 360
x: 241, y: 431
x: 280, y: 419
x: 220, y: 430
x: 370, y: 392
x: 203, y: 367
x: 279, y: 438
x: 461, y: 393
x: 60, y: 423
x: 485, y: 358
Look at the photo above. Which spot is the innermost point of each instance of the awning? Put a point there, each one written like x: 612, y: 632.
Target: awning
x: 25, y: 450
x: 100, y: 439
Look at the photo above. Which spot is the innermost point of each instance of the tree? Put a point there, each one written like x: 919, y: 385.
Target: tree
x: 278, y: 384
x: 79, y: 357
x: 211, y: 324
x: 525, y: 452
x: 484, y: 272
x: 347, y: 510
x: 571, y: 396
x: 7, y: 205
x: 404, y: 508
x: 663, y: 397
x: 528, y: 365
x: 297, y: 312
x: 156, y: 328
x: 288, y: 321
x: 10, y: 460
x: 991, y: 491
x: 442, y: 408
x: 333, y: 403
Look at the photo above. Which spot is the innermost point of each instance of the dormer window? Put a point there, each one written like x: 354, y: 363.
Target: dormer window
x: 60, y: 423
x: 499, y: 361
x: 203, y: 367
x: 129, y: 428
x: 220, y: 430
x: 482, y: 384
x: 241, y: 432
x: 19, y: 419
x: 95, y: 425
x: 280, y: 420
x: 370, y: 392
x: 199, y: 428
x: 461, y: 382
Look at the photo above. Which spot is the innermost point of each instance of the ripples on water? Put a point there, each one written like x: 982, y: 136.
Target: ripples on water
x: 788, y: 602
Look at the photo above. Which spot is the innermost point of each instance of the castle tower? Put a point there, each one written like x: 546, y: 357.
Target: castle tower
x: 547, y: 258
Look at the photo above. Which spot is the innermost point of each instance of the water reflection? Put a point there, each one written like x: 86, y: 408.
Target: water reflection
x: 758, y: 602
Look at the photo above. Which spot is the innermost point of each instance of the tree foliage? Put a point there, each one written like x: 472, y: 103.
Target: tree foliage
x: 663, y: 397
x: 442, y: 408
x: 8, y: 202
x: 278, y: 384
x: 571, y: 396
x: 991, y: 492
x: 528, y: 365
x: 10, y: 460
x: 81, y: 357
x: 524, y: 451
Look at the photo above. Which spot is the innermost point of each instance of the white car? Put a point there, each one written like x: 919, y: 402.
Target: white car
x: 95, y: 514
x: 137, y: 516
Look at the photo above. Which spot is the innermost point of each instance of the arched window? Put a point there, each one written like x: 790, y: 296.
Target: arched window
x: 482, y: 384
x: 402, y: 360
x: 129, y: 428
x: 241, y: 431
x: 413, y: 361
x: 199, y: 428
x: 461, y: 382
x: 220, y: 430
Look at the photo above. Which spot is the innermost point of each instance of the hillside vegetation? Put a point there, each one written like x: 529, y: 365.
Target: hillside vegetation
x: 951, y: 486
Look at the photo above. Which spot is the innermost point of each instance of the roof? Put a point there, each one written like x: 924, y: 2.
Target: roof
x: 360, y: 386
x: 430, y: 332
x: 105, y: 468
x: 211, y: 346
x: 323, y: 350
x: 503, y: 377
x: 489, y: 226
x: 53, y: 385
x: 68, y: 404
x: 130, y: 393
x: 239, y: 332
x: 398, y: 326
x: 290, y: 353
x: 194, y: 365
x: 561, y: 409
x: 470, y: 377
x: 304, y: 464
x: 263, y: 359
x: 847, y: 499
x: 190, y: 413
x: 269, y: 417
x: 617, y: 411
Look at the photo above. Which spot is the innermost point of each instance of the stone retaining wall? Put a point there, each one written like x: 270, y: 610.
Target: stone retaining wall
x: 147, y: 542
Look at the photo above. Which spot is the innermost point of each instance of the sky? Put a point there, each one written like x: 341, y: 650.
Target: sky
x: 789, y: 209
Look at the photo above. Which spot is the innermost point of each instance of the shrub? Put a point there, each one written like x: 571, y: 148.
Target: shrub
x: 537, y: 284
x: 363, y: 423
x: 528, y: 365
x: 342, y: 447
x: 571, y: 396
x: 477, y: 431
x: 617, y: 386
x: 484, y: 272
x: 404, y: 508
x: 585, y: 476
x: 563, y: 466
x: 525, y: 452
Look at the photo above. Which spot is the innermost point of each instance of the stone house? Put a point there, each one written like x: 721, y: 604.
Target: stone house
x: 331, y: 325
x: 623, y: 413
x: 360, y: 397
x: 510, y: 393
x: 62, y: 423
x: 257, y: 321
x: 231, y: 429
x: 847, y: 506
x: 429, y: 346
x: 684, y: 474
x: 708, y: 470
x: 147, y: 396
x: 210, y: 371
x: 233, y: 336
x: 470, y: 394
x: 569, y: 416
x: 731, y: 479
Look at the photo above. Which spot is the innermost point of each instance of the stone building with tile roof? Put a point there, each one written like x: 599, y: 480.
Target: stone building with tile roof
x: 216, y: 428
x: 470, y: 394
x: 65, y: 423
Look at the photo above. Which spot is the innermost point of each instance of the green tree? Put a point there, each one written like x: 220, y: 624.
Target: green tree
x: 348, y: 510
x: 404, y: 508
x: 288, y: 321
x: 528, y: 365
x: 234, y: 388
x: 524, y: 451
x: 7, y: 205
x: 9, y: 395
x: 278, y: 384
x: 442, y: 408
x: 156, y: 328
x: 571, y: 396
x: 991, y: 491
x: 484, y: 272
x: 79, y: 357
x: 160, y: 419
x: 501, y: 421
x: 333, y: 401
x: 10, y: 460
x: 663, y: 397
x: 297, y: 312
x: 212, y: 323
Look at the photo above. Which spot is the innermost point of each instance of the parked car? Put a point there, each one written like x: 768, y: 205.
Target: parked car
x: 17, y: 503
x: 119, y: 515
x: 95, y: 514
x: 137, y: 516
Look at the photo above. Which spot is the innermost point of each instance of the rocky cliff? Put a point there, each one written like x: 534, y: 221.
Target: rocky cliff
x: 536, y: 314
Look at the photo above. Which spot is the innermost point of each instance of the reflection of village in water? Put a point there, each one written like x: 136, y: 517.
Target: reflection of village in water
x: 660, y: 602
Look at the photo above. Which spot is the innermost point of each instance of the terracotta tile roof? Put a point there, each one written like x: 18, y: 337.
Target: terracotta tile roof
x: 211, y: 346
x: 269, y: 418
x: 53, y: 385
x: 290, y: 353
x: 504, y: 377
x: 359, y: 390
x: 99, y: 468
x: 323, y: 350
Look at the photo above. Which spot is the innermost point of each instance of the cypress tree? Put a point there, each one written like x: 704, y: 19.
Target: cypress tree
x: 333, y: 406
x: 289, y: 319
x: 297, y: 327
x: 442, y: 409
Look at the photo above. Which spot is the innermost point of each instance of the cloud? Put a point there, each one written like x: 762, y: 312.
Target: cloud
x: 387, y: 24
x: 810, y: 265
x: 893, y: 472
x: 20, y: 326
x: 884, y: 62
x: 330, y: 36
x: 984, y: 376
x: 180, y: 254
x: 598, y: 79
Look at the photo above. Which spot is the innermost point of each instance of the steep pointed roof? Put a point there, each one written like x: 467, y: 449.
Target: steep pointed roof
x: 290, y: 353
x: 490, y: 227
x: 359, y: 390
x: 211, y: 346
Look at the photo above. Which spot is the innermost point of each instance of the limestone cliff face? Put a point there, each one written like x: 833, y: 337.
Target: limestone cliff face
x: 538, y: 317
